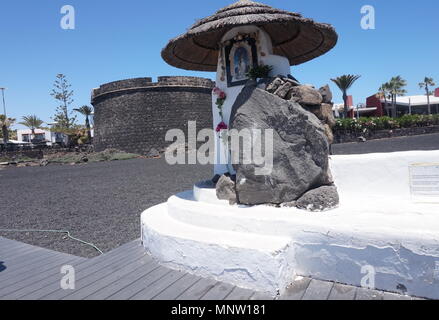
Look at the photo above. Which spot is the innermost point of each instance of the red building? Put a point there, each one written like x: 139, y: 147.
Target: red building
x: 375, y: 102
x: 405, y: 105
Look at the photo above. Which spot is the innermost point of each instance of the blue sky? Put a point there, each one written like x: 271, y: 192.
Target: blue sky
x: 116, y: 40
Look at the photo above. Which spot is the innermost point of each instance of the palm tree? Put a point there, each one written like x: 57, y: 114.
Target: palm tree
x: 383, y: 93
x: 428, y: 82
x: 5, y: 124
x: 87, y: 112
x: 32, y: 122
x: 396, y: 88
x: 344, y: 83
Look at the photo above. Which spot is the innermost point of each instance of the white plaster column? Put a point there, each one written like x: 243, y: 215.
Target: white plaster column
x: 281, y: 66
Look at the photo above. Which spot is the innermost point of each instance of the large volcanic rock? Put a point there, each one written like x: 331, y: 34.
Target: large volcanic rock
x: 301, y: 149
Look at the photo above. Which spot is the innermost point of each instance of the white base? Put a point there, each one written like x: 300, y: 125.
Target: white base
x: 263, y: 248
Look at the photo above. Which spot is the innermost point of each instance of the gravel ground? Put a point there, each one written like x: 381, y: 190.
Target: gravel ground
x: 101, y: 203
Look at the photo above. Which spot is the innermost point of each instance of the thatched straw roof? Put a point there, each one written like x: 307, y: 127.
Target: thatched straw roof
x: 297, y: 38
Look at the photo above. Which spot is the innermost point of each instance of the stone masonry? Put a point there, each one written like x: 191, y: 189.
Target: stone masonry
x: 134, y: 115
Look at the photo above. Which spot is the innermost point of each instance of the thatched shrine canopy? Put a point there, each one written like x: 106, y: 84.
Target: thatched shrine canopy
x: 297, y: 38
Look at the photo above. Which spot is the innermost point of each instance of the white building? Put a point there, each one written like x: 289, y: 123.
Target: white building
x: 415, y: 104
x: 25, y: 136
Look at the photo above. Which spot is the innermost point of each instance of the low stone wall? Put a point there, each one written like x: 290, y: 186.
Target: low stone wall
x: 31, y: 154
x: 352, y: 136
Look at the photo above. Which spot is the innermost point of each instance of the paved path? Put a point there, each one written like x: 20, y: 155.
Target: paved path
x: 128, y: 273
x: 423, y: 142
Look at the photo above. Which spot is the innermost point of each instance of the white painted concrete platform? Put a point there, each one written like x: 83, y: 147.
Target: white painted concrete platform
x: 262, y: 248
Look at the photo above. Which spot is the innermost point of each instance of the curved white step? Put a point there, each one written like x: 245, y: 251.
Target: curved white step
x: 251, y: 261
x: 377, y: 226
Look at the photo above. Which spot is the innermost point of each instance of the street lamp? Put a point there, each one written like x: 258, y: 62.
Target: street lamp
x: 4, y: 127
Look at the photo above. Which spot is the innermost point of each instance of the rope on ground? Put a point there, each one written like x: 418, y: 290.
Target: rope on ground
x: 55, y: 231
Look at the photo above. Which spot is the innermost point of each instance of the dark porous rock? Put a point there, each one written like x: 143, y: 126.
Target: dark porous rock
x: 300, y: 149
x: 320, y: 199
x: 306, y: 95
x: 216, y: 178
x: 274, y: 84
x: 225, y: 189
x: 284, y: 90
x: 328, y: 114
x: 326, y: 94
x: 323, y: 112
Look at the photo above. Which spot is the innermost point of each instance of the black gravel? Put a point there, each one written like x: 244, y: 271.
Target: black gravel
x: 101, y: 203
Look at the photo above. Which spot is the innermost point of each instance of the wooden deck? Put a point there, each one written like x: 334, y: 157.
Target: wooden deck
x: 128, y: 273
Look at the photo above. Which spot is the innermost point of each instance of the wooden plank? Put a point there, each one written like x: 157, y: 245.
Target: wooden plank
x: 134, y: 288
x: 26, y: 286
x: 297, y: 290
x: 342, y: 292
x: 51, y: 283
x: 123, y: 248
x: 183, y: 284
x: 240, y: 294
x: 89, y: 276
x: 19, y: 267
x: 90, y: 273
x: 198, y: 290
x: 6, y: 243
x: 15, y: 254
x: 368, y: 294
x: 11, y: 247
x: 8, y: 247
x: 28, y: 271
x: 116, y: 286
x: 32, y: 263
x: 159, y: 286
x: 93, y: 285
x: 318, y: 290
x: 19, y: 261
x: 219, y: 292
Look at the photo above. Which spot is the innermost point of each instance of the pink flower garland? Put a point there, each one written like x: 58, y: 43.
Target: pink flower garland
x: 221, y: 126
x: 220, y: 102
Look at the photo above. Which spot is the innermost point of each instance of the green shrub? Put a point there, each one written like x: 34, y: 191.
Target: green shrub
x: 372, y: 124
x: 259, y: 72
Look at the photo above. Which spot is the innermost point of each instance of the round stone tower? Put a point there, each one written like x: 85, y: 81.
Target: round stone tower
x: 134, y: 115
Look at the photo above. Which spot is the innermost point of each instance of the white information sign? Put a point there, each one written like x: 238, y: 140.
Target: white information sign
x: 424, y: 182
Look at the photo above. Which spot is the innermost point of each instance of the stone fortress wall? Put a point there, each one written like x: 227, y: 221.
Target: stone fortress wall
x: 134, y: 115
